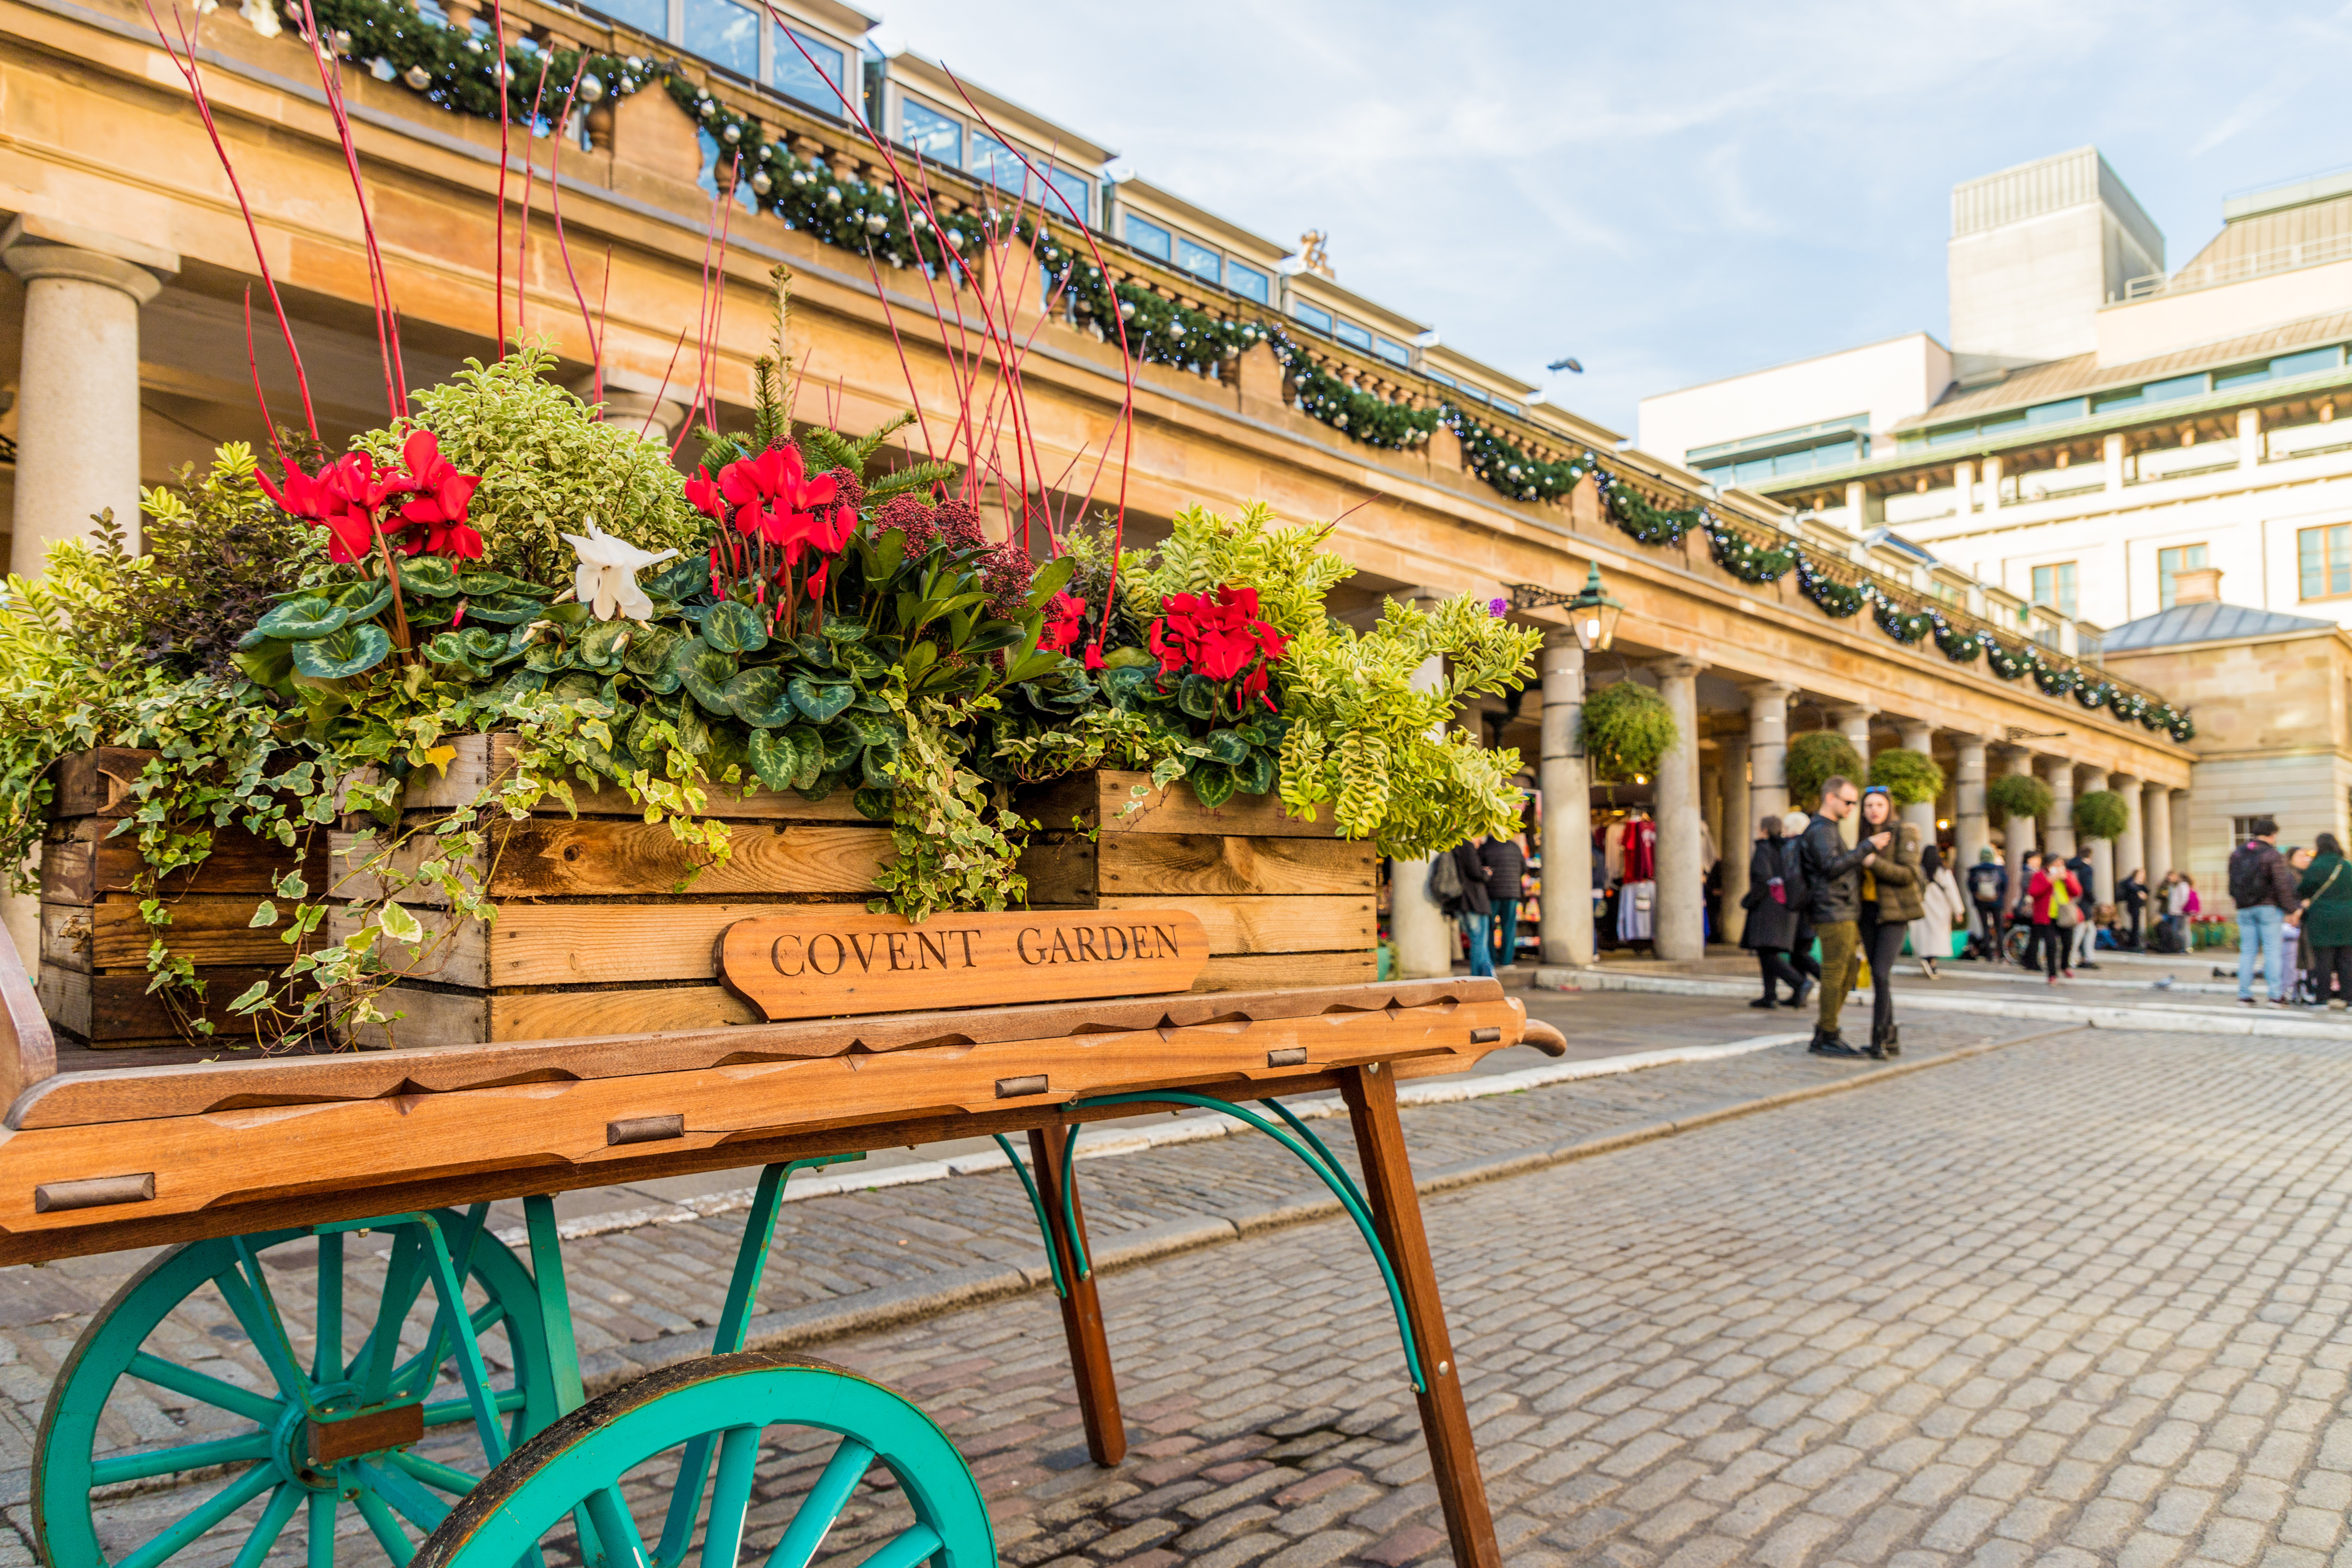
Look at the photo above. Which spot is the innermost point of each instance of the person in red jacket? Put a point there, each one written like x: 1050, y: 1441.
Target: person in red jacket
x: 2052, y: 886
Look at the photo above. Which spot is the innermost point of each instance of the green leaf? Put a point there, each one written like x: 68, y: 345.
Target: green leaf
x: 249, y: 999
x: 267, y: 664
x: 885, y: 555
x: 1040, y: 663
x: 758, y: 698
x: 299, y: 620
x: 808, y: 753
x: 993, y: 635
x: 774, y: 758
x: 1226, y: 747
x: 1195, y: 696
x: 601, y: 646
x: 919, y: 658
x: 481, y: 585
x: 265, y: 913
x: 449, y: 648
x: 430, y: 575
x: 344, y: 653
x: 505, y: 610
x: 485, y: 646
x: 362, y: 599
x: 399, y: 925
x: 574, y: 614
x: 705, y: 672
x: 693, y: 730
x: 735, y: 627
x: 815, y: 650
x: 293, y: 885
x: 575, y: 686
x: 875, y: 763
x: 843, y: 628
x: 678, y: 579
x: 821, y: 703
x: 1256, y: 773
x: 1214, y: 785
x: 547, y: 655
x: 1049, y: 580
x: 873, y: 803
x: 650, y: 649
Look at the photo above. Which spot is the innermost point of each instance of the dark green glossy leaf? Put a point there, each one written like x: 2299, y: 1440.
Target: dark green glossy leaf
x: 299, y: 620
x: 523, y: 683
x: 774, y: 758
x: 1214, y: 785
x: 601, y: 645
x: 808, y: 753
x: 429, y: 576
x: 482, y: 585
x: 1037, y: 664
x: 506, y: 610
x: 485, y: 646
x: 342, y: 653
x: 449, y: 648
x: 547, y: 654
x: 1197, y: 697
x: 873, y: 803
x: 267, y: 665
x: 993, y: 635
x: 364, y: 599
x: 735, y: 627
x: 1129, y: 658
x: 876, y: 763
x: 819, y: 702
x: 575, y: 686
x: 1255, y: 774
x: 574, y: 614
x: 1226, y: 747
x: 843, y: 628
x: 815, y: 650
x: 871, y: 702
x: 816, y: 789
x: 1050, y: 579
x: 758, y: 698
x: 650, y: 647
x: 705, y: 672
x: 678, y: 579
x: 693, y: 730
x: 888, y: 554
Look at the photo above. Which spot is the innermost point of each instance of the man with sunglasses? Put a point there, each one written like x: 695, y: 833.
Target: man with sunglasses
x: 1834, y: 903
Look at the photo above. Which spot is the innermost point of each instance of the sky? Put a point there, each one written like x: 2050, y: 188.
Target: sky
x: 1669, y: 192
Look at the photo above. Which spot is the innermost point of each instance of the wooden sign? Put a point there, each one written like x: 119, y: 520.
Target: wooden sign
x: 830, y: 962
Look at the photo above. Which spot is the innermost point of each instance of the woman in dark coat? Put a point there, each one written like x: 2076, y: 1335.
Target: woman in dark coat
x: 2327, y: 916
x: 1772, y: 930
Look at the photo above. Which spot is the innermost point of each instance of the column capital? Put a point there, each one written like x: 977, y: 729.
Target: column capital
x: 1925, y: 730
x: 35, y: 247
x: 1778, y: 691
x: 1679, y: 669
x: 1865, y: 710
x: 1562, y: 639
x: 1968, y: 738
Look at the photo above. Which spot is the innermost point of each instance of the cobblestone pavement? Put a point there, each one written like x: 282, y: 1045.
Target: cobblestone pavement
x: 1264, y: 1383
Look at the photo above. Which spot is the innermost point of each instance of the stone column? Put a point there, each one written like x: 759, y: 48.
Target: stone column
x: 1970, y: 831
x: 2103, y: 850
x: 1422, y: 930
x: 2155, y: 824
x: 2111, y: 454
x: 1679, y: 929
x: 2131, y: 848
x: 1854, y: 723
x: 1964, y: 487
x: 78, y: 384
x: 1567, y: 924
x: 1992, y: 467
x: 638, y: 404
x: 2058, y: 833
x: 1735, y: 833
x: 2250, y: 438
x: 2019, y: 835
x: 1768, y: 752
x: 1919, y: 736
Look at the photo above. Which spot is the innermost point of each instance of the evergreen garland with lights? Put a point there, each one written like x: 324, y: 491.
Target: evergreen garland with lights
x: 1742, y: 556
x: 1959, y: 646
x: 2009, y: 664
x: 1841, y: 601
x: 1362, y: 415
x: 1495, y: 459
x: 1905, y: 627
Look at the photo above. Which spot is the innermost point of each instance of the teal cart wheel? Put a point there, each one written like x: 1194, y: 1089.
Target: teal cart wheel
x: 892, y: 1486
x: 248, y: 1436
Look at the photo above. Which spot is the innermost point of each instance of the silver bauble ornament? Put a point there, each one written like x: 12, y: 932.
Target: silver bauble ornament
x: 760, y: 184
x: 417, y: 77
x: 591, y: 88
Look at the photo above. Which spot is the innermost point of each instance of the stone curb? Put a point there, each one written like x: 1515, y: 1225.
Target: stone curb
x: 893, y: 1305
x: 2150, y: 1020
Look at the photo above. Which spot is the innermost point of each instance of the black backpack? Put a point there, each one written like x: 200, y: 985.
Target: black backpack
x: 2249, y: 881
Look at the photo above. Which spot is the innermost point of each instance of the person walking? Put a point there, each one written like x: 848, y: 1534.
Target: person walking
x: 2325, y: 889
x: 1989, y: 891
x: 1506, y: 863
x: 1792, y: 873
x: 1771, y: 927
x: 2181, y: 905
x: 1833, y: 876
x: 2131, y: 894
x: 1892, y: 880
x: 2082, y: 938
x: 1471, y: 908
x: 2262, y: 886
x: 2054, y: 903
x: 1940, y: 912
x: 2291, y: 955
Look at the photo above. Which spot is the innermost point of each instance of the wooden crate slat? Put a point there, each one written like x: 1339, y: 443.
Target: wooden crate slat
x: 602, y: 858
x: 105, y: 1009
x: 81, y: 863
x: 1257, y: 922
x: 1074, y: 871
x: 1256, y: 970
x: 1107, y: 799
x: 482, y: 758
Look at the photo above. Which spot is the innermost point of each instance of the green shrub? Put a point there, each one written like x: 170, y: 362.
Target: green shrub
x: 1912, y: 778
x: 2102, y: 813
x: 2017, y: 794
x: 1813, y: 760
x: 1627, y: 728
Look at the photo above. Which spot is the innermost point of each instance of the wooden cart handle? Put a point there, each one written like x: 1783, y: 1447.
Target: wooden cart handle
x: 28, y: 1051
x: 1545, y: 1039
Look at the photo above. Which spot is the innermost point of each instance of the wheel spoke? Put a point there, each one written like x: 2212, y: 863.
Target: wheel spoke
x: 382, y: 1525
x: 322, y: 1527
x: 612, y: 1521
x: 813, y: 1519
x: 433, y: 1473
x: 326, y: 1354
x: 210, y: 1511
x: 405, y: 1377
x: 905, y: 1551
x: 416, y: 1505
x: 685, y: 1502
x: 739, y: 1460
x: 146, y: 1462
x: 282, y: 1504
x: 251, y: 1404
x: 247, y: 1296
x: 441, y: 1413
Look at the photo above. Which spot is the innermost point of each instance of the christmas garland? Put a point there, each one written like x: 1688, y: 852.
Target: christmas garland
x: 456, y: 70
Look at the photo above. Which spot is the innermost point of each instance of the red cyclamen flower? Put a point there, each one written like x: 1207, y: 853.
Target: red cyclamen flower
x: 1065, y: 623
x: 443, y: 494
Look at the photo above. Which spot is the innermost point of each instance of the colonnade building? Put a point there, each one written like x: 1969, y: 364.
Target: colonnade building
x: 1755, y: 614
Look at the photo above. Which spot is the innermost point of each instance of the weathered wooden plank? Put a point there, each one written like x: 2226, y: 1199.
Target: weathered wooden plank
x: 81, y: 863
x: 96, y: 783
x: 105, y: 1009
x: 201, y: 1088
x: 461, y: 957
x: 64, y: 936
x: 1253, y: 922
x: 427, y: 1019
x: 1256, y: 970
x: 1109, y: 799
x: 553, y: 1015
x: 1068, y: 869
x: 604, y: 857
x: 826, y: 963
x: 206, y: 930
x: 484, y: 759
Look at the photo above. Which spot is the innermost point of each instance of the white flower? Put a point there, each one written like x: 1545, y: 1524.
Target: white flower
x: 607, y: 577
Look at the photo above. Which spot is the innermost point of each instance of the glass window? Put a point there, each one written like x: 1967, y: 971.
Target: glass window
x: 1075, y: 190
x: 647, y: 15
x: 2055, y: 587
x: 2002, y: 423
x: 2241, y: 376
x: 992, y: 161
x: 1475, y: 394
x: 1318, y: 319
x: 1246, y: 281
x: 1150, y: 238
x: 1395, y: 354
x: 2169, y: 564
x: 2179, y: 386
x: 1950, y: 434
x: 1753, y: 469
x: 2325, y: 555
x: 931, y: 133
x: 1507, y: 405
x: 1350, y: 333
x: 1199, y: 260
x: 2057, y: 413
x: 725, y: 34
x: 2306, y: 362
x: 814, y: 85
x: 1441, y: 378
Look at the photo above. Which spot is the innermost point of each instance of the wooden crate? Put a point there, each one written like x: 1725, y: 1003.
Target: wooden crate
x: 1285, y: 901
x: 94, y: 978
